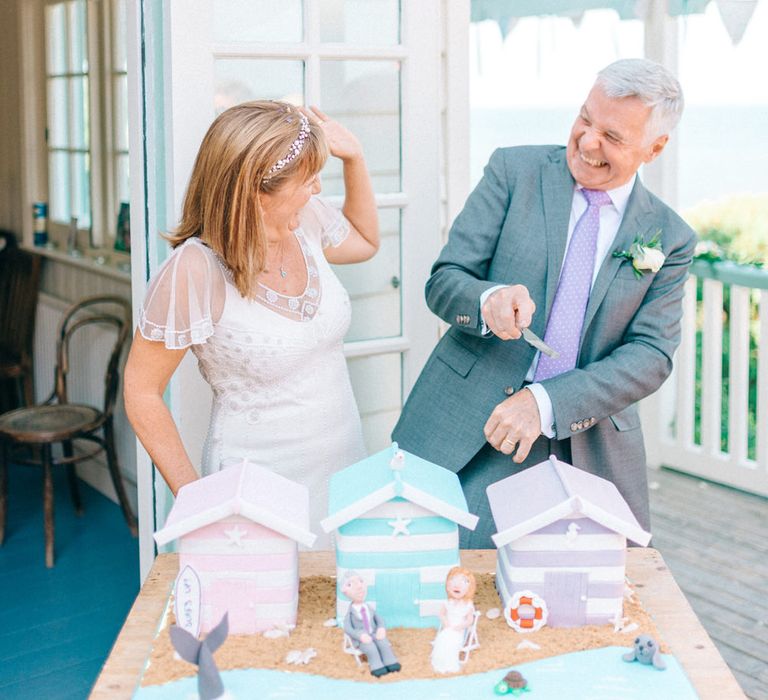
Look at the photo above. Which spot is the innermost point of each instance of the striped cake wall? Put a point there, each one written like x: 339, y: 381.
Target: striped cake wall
x: 241, y: 563
x: 595, y: 589
x: 521, y: 570
x: 570, y: 535
x: 275, y: 578
x: 398, y: 529
x: 599, y: 611
x: 372, y: 544
x: 246, y: 570
x: 250, y: 619
x: 429, y: 611
x: 605, y: 583
x: 427, y: 591
x: 563, y: 558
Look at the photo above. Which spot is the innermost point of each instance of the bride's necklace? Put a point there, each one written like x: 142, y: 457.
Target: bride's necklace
x: 281, y: 268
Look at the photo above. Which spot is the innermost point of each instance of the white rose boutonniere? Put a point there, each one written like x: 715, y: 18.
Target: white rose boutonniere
x: 644, y: 255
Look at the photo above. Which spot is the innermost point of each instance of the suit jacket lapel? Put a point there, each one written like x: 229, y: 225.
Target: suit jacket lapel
x: 638, y: 207
x: 557, y: 195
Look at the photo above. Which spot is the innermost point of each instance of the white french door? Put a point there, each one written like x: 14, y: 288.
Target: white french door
x: 372, y: 64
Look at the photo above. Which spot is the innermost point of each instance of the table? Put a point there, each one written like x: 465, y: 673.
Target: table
x: 676, y: 621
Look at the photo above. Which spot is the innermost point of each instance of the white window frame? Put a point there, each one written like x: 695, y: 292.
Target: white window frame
x: 35, y: 184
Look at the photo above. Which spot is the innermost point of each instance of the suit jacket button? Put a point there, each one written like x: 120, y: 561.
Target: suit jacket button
x: 574, y: 427
x: 509, y: 390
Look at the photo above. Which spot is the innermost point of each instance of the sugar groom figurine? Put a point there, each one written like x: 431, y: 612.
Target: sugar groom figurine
x: 366, y: 628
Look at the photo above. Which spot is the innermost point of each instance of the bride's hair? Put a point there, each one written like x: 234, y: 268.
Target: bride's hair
x: 250, y: 149
x: 462, y: 571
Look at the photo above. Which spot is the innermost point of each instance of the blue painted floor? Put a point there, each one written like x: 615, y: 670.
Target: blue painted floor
x: 58, y: 625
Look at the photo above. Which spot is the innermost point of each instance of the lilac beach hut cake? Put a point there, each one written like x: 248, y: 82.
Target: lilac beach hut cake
x: 562, y: 535
x: 396, y: 518
x: 238, y: 532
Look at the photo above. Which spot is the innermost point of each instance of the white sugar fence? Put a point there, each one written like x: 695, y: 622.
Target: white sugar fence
x: 711, y: 416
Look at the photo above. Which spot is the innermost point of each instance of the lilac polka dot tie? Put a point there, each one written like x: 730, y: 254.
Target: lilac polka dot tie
x: 567, y: 316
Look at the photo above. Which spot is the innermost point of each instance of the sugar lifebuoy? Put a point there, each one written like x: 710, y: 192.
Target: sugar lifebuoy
x: 526, y: 612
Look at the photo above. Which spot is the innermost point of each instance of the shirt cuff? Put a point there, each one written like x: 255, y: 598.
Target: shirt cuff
x: 484, y: 330
x: 546, y: 413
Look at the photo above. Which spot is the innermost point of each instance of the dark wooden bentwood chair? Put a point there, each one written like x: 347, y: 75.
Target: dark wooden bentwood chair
x: 19, y: 280
x: 59, y: 421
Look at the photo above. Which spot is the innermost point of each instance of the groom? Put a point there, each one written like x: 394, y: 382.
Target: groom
x: 536, y: 245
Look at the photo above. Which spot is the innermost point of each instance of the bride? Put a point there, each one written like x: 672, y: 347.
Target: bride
x: 249, y: 290
x: 456, y: 617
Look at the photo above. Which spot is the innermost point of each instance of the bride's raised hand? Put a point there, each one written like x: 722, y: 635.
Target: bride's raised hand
x: 342, y: 142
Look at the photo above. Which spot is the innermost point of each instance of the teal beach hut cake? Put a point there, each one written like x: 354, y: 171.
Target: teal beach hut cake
x: 397, y: 518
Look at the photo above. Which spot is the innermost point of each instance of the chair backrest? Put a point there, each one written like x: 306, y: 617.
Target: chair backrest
x: 7, y: 240
x: 19, y: 284
x: 99, y: 310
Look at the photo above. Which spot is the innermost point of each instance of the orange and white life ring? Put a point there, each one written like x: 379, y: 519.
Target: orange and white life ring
x: 526, y: 612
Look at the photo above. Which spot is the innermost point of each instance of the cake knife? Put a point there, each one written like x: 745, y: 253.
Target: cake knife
x: 532, y: 339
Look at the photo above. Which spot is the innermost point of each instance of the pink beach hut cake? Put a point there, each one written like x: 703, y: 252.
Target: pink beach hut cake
x: 238, y: 532
x: 562, y: 536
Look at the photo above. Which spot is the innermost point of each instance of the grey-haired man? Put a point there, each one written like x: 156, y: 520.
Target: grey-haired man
x: 546, y: 240
x: 365, y: 628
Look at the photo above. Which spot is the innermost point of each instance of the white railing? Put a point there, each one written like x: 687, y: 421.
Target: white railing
x: 711, y: 417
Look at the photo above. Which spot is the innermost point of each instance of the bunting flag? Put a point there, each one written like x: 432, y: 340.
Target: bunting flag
x: 736, y: 15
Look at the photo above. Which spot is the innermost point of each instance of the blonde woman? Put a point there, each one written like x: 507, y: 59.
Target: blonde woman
x: 249, y: 289
x: 456, y: 616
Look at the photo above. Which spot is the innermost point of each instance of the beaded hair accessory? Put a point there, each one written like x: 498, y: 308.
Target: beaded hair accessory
x: 294, y: 150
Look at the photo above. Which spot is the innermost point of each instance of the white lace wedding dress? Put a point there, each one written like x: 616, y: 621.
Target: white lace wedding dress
x: 449, y: 640
x: 281, y: 390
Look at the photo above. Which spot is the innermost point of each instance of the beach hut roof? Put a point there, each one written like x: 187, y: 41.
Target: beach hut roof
x: 533, y: 498
x: 256, y: 493
x: 394, y: 473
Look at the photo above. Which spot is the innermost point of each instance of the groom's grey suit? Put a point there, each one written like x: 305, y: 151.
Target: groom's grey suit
x: 513, y: 230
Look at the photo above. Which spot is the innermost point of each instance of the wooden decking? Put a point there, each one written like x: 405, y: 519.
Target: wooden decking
x: 715, y: 541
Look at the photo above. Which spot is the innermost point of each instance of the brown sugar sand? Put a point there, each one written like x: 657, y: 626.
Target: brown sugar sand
x: 317, y: 603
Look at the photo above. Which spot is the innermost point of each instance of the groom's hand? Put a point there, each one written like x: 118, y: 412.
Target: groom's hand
x: 508, y: 310
x: 514, y: 424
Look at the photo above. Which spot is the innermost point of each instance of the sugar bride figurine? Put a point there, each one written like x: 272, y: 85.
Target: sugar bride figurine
x: 456, y: 615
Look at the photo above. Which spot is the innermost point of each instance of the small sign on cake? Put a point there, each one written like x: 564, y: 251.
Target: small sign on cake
x: 186, y: 605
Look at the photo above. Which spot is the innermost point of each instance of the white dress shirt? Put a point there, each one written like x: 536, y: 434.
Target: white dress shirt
x: 610, y: 220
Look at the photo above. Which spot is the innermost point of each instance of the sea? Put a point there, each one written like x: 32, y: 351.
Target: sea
x: 723, y: 150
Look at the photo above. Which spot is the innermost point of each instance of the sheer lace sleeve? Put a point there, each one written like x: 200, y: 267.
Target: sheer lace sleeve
x: 185, y: 298
x: 321, y: 220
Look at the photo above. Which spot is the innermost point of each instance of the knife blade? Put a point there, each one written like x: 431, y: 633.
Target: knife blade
x: 532, y: 339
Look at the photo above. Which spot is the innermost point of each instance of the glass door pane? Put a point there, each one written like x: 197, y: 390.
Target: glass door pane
x: 360, y: 22
x: 374, y: 286
x: 243, y: 79
x: 377, y: 383
x: 257, y: 21
x: 365, y: 96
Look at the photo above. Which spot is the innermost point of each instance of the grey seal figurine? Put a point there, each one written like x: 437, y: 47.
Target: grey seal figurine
x: 647, y: 652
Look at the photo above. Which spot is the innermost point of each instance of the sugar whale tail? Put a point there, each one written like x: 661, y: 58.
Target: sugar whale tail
x: 200, y: 653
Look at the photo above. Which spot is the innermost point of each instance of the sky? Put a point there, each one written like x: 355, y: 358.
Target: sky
x: 550, y: 61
